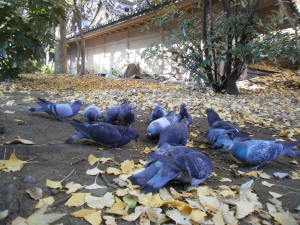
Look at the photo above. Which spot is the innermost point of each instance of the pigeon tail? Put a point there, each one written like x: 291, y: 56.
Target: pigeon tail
x: 147, y: 174
x: 37, y: 110
x: 287, y: 148
x: 75, y: 137
x: 158, y: 181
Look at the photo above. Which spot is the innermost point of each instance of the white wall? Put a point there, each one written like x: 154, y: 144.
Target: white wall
x: 103, y: 54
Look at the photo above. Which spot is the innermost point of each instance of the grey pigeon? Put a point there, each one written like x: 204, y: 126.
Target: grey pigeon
x: 225, y: 139
x: 260, y: 151
x: 184, y: 113
x: 173, y: 163
x: 158, y: 113
x: 107, y: 135
x: 155, y: 127
x: 92, y: 113
x: 127, y: 115
x: 112, y: 113
x: 176, y: 133
x: 217, y: 123
x: 62, y: 111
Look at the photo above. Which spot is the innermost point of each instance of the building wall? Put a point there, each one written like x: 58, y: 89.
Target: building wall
x: 118, y: 50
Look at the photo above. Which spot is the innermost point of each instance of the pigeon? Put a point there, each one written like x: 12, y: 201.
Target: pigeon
x: 261, y: 151
x: 112, y: 114
x: 217, y: 123
x: 62, y: 111
x: 107, y: 135
x: 127, y: 115
x: 175, y: 134
x: 184, y: 113
x: 92, y: 113
x: 155, y: 127
x: 158, y: 113
x: 225, y: 139
x: 173, y: 163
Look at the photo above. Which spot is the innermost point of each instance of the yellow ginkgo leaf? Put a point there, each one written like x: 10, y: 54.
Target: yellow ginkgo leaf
x: 203, y: 146
x: 94, y: 202
x: 147, y: 150
x: 285, y: 219
x: 137, y: 212
x: 111, y: 170
x: 92, y: 159
x: 56, y: 184
x: 3, y: 214
x: 110, y: 220
x: 119, y: 209
x: 94, y: 218
x: 19, y: 221
x: 74, y: 188
x: 48, y: 201
x: 252, y: 173
x: 127, y: 166
x: 77, y: 199
x: 197, y: 215
x: 184, y: 208
x: 105, y: 160
x: 13, y: 161
x: 94, y: 171
x: 189, y: 145
x: 244, y: 209
x: 194, y: 135
x: 108, y: 199
x: 83, y: 212
x: 39, y: 216
x: 228, y: 192
x: 21, y: 141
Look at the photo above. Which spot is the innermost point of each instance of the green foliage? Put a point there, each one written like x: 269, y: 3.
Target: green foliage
x: 32, y: 66
x: 25, y: 31
x: 233, y: 41
x: 48, y: 69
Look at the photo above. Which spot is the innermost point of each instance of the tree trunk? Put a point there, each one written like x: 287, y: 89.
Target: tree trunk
x: 82, y: 47
x: 60, y: 59
x: 231, y: 87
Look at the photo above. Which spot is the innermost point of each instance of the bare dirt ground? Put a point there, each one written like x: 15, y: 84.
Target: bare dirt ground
x: 54, y: 158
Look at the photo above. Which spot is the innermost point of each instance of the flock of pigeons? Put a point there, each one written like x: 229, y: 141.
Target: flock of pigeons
x: 171, y: 161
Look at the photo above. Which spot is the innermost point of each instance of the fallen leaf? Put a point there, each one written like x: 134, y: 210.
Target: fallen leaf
x: 178, y: 217
x: 77, y: 199
x: 294, y: 162
x: 36, y: 194
x: 244, y: 209
x: 225, y: 180
x: 94, y: 171
x: 19, y: 141
x: 94, y: 202
x: 119, y: 209
x: 265, y: 176
x: 127, y: 166
x: 203, y: 146
x: 111, y: 170
x: 137, y: 212
x: 83, y: 212
x: 275, y: 195
x: 92, y: 159
x: 147, y: 150
x: 252, y: 173
x: 267, y: 184
x: 194, y: 135
x: 9, y: 112
x: 110, y: 220
x: 280, y: 175
x: 74, y: 188
x: 3, y: 214
x: 48, y: 201
x: 38, y: 217
x: 94, y: 218
x: 285, y: 219
x: 190, y: 145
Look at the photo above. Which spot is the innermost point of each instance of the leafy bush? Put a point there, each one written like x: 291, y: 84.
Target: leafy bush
x: 48, y: 69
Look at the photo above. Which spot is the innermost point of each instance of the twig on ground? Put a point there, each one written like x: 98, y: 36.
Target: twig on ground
x: 60, y: 201
x: 107, y: 182
x: 79, y: 161
x: 235, y: 173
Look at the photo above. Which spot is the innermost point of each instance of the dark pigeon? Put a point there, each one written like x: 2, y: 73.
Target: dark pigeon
x: 184, y: 113
x: 217, y: 123
x: 127, y: 115
x: 107, y: 135
x: 259, y: 152
x: 158, y: 113
x: 220, y: 138
x: 173, y: 163
x: 155, y: 128
x: 62, y: 111
x: 92, y: 113
x: 176, y: 133
x: 112, y: 114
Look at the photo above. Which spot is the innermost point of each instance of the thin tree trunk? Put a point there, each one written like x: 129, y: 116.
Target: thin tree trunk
x: 78, y: 17
x: 78, y: 49
x: 60, y: 59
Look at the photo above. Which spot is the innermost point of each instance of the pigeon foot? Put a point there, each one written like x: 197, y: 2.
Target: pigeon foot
x: 118, y: 149
x: 255, y: 167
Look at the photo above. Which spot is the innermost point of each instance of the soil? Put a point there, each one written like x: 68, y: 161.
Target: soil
x: 55, y: 157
